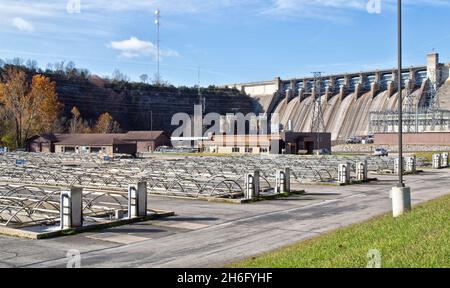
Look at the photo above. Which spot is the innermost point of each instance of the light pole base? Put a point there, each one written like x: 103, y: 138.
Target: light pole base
x: 401, y: 200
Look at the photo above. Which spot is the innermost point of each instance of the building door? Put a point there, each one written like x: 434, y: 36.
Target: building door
x: 309, y: 147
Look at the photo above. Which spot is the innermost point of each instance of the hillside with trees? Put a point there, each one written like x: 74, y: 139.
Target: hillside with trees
x: 65, y: 99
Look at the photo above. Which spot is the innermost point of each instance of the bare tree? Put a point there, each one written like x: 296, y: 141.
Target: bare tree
x: 119, y: 76
x: 32, y: 65
x: 144, y: 78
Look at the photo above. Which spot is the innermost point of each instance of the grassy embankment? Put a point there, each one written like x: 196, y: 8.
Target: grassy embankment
x: 418, y: 239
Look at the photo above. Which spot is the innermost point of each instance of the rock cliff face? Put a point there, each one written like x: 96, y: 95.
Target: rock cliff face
x: 138, y: 106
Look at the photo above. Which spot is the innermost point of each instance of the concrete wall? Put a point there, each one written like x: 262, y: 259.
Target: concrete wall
x: 260, y: 90
x: 445, y: 74
x: 429, y: 138
x: 263, y: 92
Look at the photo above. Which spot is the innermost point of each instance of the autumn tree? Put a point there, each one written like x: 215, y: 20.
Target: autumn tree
x: 15, y: 100
x: 28, y: 109
x: 106, y: 124
x: 49, y: 108
x: 77, y: 124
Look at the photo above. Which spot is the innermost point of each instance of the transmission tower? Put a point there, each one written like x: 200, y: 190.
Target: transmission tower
x: 410, y: 112
x: 318, y: 123
x: 432, y: 109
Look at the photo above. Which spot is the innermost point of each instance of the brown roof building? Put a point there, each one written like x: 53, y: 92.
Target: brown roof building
x: 128, y: 143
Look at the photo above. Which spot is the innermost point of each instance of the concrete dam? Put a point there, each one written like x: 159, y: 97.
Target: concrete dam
x: 351, y: 103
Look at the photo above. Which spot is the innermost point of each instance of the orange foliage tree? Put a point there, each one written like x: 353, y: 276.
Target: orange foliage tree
x: 106, y: 124
x: 28, y: 109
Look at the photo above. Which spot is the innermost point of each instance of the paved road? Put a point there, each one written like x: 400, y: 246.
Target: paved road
x: 214, y: 234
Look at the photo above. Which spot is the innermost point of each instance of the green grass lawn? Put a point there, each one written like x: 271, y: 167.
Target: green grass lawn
x: 418, y: 239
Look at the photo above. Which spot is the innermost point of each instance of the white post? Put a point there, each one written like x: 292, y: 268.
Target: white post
x: 252, y: 185
x: 444, y: 160
x: 137, y: 200
x: 401, y: 200
x: 344, y: 173
x: 411, y: 164
x: 396, y: 165
x: 437, y: 161
x: 361, y: 171
x: 283, y: 181
x: 287, y: 180
x: 71, y: 208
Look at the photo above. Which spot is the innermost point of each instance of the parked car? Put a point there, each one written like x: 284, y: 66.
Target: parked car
x: 351, y: 140
x: 354, y: 140
x: 368, y: 140
x: 381, y: 152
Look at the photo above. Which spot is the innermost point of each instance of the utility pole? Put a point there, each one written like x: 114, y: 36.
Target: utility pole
x: 158, y: 23
x: 200, y: 96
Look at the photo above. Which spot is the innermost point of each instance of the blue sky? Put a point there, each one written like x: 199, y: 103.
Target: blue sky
x: 230, y: 40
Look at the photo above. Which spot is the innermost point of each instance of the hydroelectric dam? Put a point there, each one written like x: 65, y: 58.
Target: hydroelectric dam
x: 359, y: 104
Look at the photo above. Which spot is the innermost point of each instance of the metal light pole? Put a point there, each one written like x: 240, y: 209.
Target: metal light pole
x: 157, y: 22
x: 401, y: 195
x: 400, y: 97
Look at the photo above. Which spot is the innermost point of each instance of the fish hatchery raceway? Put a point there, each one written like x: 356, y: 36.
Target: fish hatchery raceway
x: 214, y: 234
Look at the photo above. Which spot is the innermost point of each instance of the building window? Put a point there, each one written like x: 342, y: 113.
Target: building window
x: 264, y: 150
x: 236, y: 150
x: 248, y: 150
x: 69, y: 149
x: 96, y: 149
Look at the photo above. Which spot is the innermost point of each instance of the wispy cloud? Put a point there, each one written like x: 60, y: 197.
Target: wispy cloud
x: 321, y: 9
x: 23, y: 25
x: 134, y: 48
x: 316, y: 9
x: 336, y: 9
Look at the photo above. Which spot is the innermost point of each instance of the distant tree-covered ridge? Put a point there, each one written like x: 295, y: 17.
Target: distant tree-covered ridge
x: 123, y: 105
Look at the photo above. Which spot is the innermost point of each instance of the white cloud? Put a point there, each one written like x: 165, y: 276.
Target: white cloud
x: 23, y: 25
x: 133, y: 48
